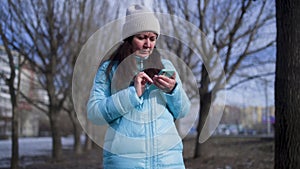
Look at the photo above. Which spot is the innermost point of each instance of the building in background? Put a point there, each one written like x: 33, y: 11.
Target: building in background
x: 5, y: 103
x: 248, y: 120
x: 29, y: 116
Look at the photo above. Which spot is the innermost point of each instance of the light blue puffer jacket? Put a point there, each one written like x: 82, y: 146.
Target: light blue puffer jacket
x: 141, y: 132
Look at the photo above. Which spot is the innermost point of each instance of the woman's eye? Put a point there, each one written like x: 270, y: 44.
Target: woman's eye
x: 140, y: 37
x: 152, y: 39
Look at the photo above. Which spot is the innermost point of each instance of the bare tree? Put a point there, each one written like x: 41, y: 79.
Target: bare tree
x: 13, y: 90
x: 49, y: 35
x: 238, y: 31
x: 287, y: 88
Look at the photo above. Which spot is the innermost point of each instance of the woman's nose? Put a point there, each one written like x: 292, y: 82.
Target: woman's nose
x: 147, y: 42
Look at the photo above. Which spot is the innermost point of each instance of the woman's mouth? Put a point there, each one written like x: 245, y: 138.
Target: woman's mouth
x: 143, y: 52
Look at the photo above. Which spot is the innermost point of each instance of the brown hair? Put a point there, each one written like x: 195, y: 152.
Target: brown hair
x: 124, y: 50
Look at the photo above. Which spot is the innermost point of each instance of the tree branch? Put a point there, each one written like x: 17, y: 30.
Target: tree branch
x: 249, y: 79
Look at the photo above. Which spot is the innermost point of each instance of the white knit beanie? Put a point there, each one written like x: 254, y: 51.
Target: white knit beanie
x: 139, y: 19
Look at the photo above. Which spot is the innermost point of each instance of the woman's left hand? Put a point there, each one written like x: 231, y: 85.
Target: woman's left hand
x: 166, y: 84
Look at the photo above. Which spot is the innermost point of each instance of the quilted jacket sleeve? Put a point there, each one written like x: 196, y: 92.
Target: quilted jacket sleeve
x: 102, y: 107
x: 177, y: 101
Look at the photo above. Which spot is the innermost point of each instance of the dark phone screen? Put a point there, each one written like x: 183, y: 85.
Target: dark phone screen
x: 152, y: 71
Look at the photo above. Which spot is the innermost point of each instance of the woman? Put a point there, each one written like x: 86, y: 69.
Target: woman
x: 138, y: 105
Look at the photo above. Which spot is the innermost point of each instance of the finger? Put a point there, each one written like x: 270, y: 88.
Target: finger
x: 159, y: 85
x: 147, y: 78
x: 161, y: 81
x: 173, y: 76
x: 164, y: 79
x: 162, y: 84
x: 143, y: 77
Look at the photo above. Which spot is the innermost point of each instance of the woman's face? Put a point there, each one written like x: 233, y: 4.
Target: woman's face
x: 143, y: 43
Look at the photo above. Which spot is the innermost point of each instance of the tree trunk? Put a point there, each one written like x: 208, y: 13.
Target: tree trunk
x: 205, y: 102
x: 76, y: 132
x: 77, y: 142
x: 287, y: 87
x: 56, y: 135
x: 204, y: 109
x: 14, y: 163
x: 88, y: 143
x: 15, y: 143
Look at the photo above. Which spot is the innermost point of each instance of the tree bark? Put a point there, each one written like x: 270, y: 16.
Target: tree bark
x: 56, y: 134
x: 77, y: 133
x: 88, y: 143
x: 204, y: 109
x: 14, y: 163
x: 287, y: 87
x: 205, y: 103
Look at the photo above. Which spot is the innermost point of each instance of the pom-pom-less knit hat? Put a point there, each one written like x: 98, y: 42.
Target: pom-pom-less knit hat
x: 139, y: 19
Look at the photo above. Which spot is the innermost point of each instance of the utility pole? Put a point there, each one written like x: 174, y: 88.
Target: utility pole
x: 267, y: 107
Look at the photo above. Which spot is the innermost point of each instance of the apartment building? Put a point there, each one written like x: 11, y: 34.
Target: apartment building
x: 28, y: 115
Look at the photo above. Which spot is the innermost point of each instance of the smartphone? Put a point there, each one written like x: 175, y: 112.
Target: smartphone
x: 151, y: 72
x: 166, y: 72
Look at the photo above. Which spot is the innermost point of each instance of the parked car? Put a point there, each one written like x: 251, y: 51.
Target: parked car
x: 226, y: 129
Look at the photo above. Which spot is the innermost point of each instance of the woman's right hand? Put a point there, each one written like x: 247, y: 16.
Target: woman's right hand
x: 140, y: 82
